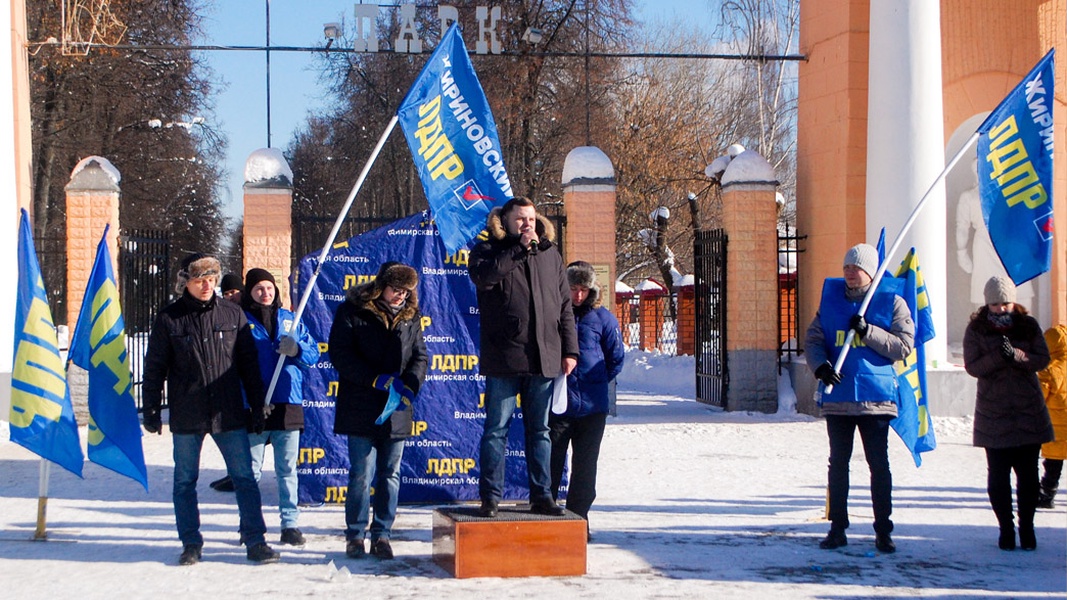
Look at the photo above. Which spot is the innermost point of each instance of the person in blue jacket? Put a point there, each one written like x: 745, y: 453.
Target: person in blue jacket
x: 275, y: 332
x: 581, y: 427
x: 864, y: 394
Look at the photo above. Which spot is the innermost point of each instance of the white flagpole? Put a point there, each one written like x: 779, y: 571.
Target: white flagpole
x: 893, y: 249
x: 326, y: 249
x: 42, y: 500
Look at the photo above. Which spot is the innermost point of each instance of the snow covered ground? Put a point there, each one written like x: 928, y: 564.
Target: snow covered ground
x: 693, y: 503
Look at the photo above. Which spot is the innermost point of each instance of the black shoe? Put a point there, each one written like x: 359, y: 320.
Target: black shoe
x: 190, y: 555
x: 381, y: 549
x: 834, y: 539
x: 547, y: 507
x: 1007, y: 539
x: 292, y: 537
x: 884, y: 543
x: 242, y: 540
x: 354, y: 549
x: 262, y: 553
x: 1027, y: 539
x: 222, y: 485
x: 487, y: 509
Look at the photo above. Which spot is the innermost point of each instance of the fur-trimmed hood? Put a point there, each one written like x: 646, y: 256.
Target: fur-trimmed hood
x: 494, y: 224
x: 364, y: 295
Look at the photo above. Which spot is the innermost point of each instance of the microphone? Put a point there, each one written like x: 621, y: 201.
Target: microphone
x: 533, y: 245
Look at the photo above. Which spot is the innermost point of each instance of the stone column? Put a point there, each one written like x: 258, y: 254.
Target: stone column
x: 92, y: 204
x: 268, y: 217
x: 906, y: 142
x: 589, y: 199
x: 750, y: 219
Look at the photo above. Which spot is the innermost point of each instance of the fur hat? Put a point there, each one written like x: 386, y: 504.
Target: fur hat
x: 196, y: 266
x: 999, y: 290
x: 581, y: 273
x: 231, y: 281
x: 863, y: 256
x: 397, y: 275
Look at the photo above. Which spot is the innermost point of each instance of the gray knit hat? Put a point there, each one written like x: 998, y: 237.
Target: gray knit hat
x: 999, y: 290
x: 863, y: 256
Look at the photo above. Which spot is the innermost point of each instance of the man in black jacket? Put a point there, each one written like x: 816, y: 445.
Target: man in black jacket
x: 527, y: 339
x: 202, y: 347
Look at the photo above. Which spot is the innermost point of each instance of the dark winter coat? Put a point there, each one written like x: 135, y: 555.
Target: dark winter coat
x: 205, y: 352
x: 1010, y: 408
x: 600, y: 358
x: 364, y: 346
x: 527, y: 325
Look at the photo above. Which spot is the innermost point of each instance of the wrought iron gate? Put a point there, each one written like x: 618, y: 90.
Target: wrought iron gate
x: 145, y: 285
x: 709, y: 256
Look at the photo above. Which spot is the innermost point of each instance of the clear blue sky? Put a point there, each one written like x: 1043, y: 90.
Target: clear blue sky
x: 240, y: 108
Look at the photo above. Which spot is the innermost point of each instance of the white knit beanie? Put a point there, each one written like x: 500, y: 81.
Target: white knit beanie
x: 863, y: 256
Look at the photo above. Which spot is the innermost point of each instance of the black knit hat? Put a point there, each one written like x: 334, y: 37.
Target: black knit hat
x: 254, y: 276
x: 231, y: 281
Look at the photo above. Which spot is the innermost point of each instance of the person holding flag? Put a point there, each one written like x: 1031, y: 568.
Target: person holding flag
x: 202, y: 347
x: 865, y: 393
x: 1004, y: 348
x: 377, y: 348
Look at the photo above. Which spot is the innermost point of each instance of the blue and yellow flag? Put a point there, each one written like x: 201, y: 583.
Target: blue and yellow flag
x: 1015, y: 174
x: 452, y: 135
x: 99, y: 347
x: 42, y: 418
x: 913, y: 422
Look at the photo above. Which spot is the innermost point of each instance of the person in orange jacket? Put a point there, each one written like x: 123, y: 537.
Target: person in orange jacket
x: 1054, y: 385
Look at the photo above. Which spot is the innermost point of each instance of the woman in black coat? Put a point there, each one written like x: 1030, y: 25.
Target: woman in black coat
x: 377, y: 348
x: 1004, y: 348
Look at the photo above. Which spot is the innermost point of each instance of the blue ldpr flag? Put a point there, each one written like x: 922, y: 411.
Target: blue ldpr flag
x: 452, y: 135
x: 42, y: 418
x: 913, y: 423
x: 393, y: 403
x: 1015, y: 174
x: 99, y: 347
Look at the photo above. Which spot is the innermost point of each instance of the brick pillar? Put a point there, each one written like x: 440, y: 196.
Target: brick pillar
x: 651, y: 296
x: 268, y: 218
x: 686, y: 323
x: 589, y: 199
x: 750, y: 219
x: 92, y: 204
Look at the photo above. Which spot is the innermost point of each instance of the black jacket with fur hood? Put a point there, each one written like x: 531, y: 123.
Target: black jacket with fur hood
x: 527, y: 325
x: 366, y: 342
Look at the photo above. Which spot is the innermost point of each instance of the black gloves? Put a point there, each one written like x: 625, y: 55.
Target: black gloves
x: 153, y: 422
x: 858, y: 324
x: 1006, y: 349
x: 259, y: 421
x: 826, y: 374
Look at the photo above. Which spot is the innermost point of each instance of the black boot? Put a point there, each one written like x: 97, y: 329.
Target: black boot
x: 1007, y: 538
x: 1027, y: 539
x: 1045, y: 496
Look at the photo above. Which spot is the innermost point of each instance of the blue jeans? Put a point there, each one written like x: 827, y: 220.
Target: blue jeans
x: 874, y: 433
x: 286, y: 448
x: 235, y: 451
x: 377, y: 460
x: 500, y: 401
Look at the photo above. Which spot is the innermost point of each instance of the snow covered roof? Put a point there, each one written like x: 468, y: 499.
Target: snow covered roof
x: 588, y: 165
x: 648, y: 285
x: 266, y: 167
x: 684, y: 280
x: 622, y: 288
x: 111, y: 176
x: 749, y: 167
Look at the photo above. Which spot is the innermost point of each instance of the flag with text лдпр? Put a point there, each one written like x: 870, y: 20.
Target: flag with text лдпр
x: 452, y: 135
x: 913, y: 422
x: 1015, y: 174
x: 42, y: 418
x: 99, y: 347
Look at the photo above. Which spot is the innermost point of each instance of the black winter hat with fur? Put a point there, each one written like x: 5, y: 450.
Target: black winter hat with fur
x: 398, y: 275
x: 195, y: 266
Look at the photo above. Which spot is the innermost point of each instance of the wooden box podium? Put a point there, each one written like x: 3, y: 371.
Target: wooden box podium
x: 516, y: 543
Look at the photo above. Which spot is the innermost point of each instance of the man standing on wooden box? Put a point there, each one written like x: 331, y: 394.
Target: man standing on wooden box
x: 527, y: 340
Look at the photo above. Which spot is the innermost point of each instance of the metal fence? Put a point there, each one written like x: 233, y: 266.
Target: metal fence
x: 712, y: 374
x: 145, y: 286
x: 788, y: 294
